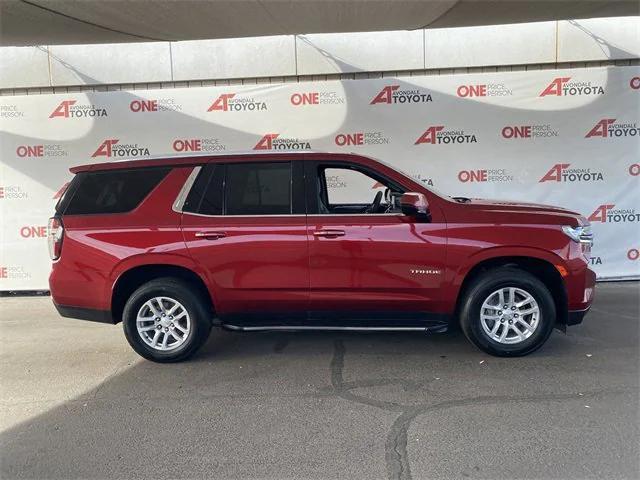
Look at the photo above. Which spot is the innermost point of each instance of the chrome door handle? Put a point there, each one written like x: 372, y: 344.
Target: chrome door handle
x: 211, y: 235
x: 329, y: 233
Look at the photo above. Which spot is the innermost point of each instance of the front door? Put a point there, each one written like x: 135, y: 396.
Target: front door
x: 369, y: 263
x: 244, y: 224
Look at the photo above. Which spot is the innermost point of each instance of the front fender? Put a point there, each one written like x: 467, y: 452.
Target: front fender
x: 504, y: 252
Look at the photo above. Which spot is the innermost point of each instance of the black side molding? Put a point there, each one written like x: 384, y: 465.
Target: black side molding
x: 81, y: 313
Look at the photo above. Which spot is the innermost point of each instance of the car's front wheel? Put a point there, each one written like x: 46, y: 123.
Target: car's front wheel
x: 165, y: 320
x: 507, y: 312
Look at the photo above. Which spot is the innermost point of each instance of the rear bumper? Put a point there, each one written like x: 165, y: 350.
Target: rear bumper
x: 81, y: 313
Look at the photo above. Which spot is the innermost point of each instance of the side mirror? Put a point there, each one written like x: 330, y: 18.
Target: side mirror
x: 415, y: 205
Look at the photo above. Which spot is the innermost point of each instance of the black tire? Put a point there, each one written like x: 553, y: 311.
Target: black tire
x: 197, y: 308
x: 491, y: 281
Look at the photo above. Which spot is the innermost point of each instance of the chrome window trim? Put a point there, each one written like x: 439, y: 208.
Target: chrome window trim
x: 298, y: 215
x: 245, y: 216
x: 178, y: 204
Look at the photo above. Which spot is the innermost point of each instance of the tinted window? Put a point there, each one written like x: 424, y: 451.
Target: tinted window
x: 113, y: 191
x: 350, y: 186
x: 258, y: 188
x: 205, y: 195
x: 348, y: 189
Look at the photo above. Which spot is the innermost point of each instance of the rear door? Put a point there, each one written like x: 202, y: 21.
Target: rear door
x: 245, y: 224
x: 369, y: 263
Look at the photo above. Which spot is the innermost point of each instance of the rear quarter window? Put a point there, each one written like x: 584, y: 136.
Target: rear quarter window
x: 111, y: 191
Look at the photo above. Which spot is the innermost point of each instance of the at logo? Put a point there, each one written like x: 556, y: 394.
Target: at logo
x: 429, y: 136
x: 607, y: 128
x: 111, y: 148
x: 600, y: 213
x: 437, y: 135
x: 385, y: 95
x: 227, y: 102
x: 69, y: 109
x: 62, y: 110
x: 560, y: 172
x: 560, y: 86
x: 222, y: 102
x: 105, y: 149
x: 266, y: 142
x: 606, y: 213
x: 273, y: 141
x: 555, y: 87
x: 391, y: 94
x: 555, y: 174
x: 601, y: 129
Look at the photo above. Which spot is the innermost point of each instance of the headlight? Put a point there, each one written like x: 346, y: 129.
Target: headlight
x: 581, y: 234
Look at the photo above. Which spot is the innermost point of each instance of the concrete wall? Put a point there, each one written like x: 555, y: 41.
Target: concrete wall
x: 62, y: 67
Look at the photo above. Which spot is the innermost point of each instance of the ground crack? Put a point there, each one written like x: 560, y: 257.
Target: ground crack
x: 396, y: 456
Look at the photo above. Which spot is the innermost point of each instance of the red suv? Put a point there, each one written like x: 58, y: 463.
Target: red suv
x: 301, y: 241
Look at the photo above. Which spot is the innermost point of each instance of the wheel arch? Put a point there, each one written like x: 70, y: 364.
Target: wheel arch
x: 542, y: 268
x: 131, y: 279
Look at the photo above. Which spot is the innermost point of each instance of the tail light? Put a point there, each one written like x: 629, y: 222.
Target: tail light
x: 55, y: 232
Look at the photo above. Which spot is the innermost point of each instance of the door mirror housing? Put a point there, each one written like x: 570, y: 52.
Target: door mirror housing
x: 415, y: 205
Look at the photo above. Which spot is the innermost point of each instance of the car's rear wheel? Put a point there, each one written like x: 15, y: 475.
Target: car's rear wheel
x: 166, y: 320
x: 507, y: 312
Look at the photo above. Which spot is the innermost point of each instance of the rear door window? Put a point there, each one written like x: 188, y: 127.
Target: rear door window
x: 258, y: 188
x: 205, y: 196
x: 110, y: 191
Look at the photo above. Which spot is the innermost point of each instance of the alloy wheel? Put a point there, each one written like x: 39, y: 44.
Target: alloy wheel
x: 163, y: 323
x: 510, y: 315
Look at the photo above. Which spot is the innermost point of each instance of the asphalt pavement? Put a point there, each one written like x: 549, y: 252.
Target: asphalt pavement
x: 77, y: 402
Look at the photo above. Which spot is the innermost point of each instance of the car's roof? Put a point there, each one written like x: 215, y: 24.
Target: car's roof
x: 200, y: 158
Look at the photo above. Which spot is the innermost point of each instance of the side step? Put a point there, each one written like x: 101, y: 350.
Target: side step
x: 299, y: 328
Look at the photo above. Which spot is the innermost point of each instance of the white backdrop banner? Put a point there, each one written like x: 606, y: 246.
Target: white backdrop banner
x: 563, y: 137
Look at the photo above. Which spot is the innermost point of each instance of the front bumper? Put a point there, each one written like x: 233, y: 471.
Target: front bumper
x: 580, y: 288
x: 575, y: 317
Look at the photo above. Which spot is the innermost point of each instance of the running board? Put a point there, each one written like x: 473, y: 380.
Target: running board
x: 293, y: 328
